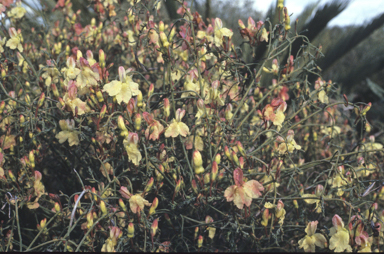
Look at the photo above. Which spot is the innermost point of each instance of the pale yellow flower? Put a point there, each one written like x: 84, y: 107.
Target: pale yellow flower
x: 177, y: 127
x: 130, y: 144
x: 15, y: 41
x: 137, y: 202
x: 124, y: 89
x: 312, y: 239
x: 68, y: 132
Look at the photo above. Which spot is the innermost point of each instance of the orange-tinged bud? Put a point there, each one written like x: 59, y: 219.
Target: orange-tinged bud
x: 196, y: 233
x: 200, y: 241
x: 137, y: 122
x: 149, y: 185
x: 2, y: 106
x: 194, y: 187
x: 93, y: 190
x: 240, y: 148
x: 227, y: 153
x: 41, y: 100
x: 241, y: 161
x: 55, y: 90
x: 197, y: 162
x: 101, y: 58
x: 139, y: 98
x: 235, y: 159
x: 3, y: 73
x: 122, y: 205
x: 12, y: 176
x: 167, y: 108
x: 295, y: 204
x: 31, y: 157
x: 43, y: 222
x: 241, y: 24
x: 61, y: 101
x: 151, y: 90
x: 154, y: 227
x: 89, y: 220
x: 103, y: 111
x: 57, y: 207
x: 164, y: 40
x: 103, y: 207
x: 207, y: 178
x: 154, y: 205
x: 131, y: 230
x: 218, y: 158
x: 22, y: 118
x: 161, y: 26
x: 215, y: 171
x: 99, y: 95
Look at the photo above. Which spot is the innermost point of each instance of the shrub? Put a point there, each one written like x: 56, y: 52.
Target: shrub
x: 129, y: 134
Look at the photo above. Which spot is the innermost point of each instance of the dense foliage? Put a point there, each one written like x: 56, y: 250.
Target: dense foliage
x: 132, y: 134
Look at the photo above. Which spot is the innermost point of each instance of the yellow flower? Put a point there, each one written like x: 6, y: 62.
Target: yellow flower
x: 71, y: 71
x: 289, y: 146
x: 338, y: 181
x: 123, y: 89
x: 51, y: 73
x: 220, y: 32
x: 315, y: 198
x: 68, y: 132
x: 72, y: 101
x: 279, y: 119
x: 88, y: 76
x: 154, y: 127
x: 15, y: 41
x: 322, y: 95
x: 109, y: 2
x: 279, y: 210
x: 130, y: 144
x: 190, y: 86
x: 330, y: 131
x: 137, y: 202
x: 339, y: 236
x: 312, y: 239
x: 177, y: 127
x: 2, y: 42
x: 17, y: 12
x: 242, y: 193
